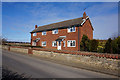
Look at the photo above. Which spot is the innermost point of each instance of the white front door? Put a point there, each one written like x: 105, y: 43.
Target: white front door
x: 59, y: 45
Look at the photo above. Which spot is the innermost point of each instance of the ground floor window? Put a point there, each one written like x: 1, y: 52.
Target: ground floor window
x: 54, y: 43
x: 43, y: 43
x: 71, y: 43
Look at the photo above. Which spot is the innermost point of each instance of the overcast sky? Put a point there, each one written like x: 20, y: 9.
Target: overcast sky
x: 19, y: 18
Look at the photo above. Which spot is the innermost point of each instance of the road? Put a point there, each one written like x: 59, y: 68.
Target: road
x: 38, y: 68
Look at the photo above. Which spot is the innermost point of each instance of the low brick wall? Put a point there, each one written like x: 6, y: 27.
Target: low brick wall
x: 91, y: 60
x: 103, y: 55
x: 19, y: 49
x: 42, y: 53
x: 87, y: 58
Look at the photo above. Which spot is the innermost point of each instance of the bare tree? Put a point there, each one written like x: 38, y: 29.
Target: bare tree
x: 4, y: 40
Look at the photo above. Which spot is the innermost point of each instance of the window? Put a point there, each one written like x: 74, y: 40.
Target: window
x: 71, y: 29
x: 34, y: 34
x: 55, y: 31
x: 44, y: 43
x: 63, y: 43
x: 44, y: 33
x: 54, y: 43
x: 71, y: 43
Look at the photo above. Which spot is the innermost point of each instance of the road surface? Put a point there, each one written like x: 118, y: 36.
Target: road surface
x: 37, y: 68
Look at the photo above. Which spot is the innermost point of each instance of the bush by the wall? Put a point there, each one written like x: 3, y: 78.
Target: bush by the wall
x: 100, y: 49
x: 93, y: 45
x: 84, y: 44
x: 112, y: 46
x: 118, y: 42
x: 108, y: 46
x: 116, y: 45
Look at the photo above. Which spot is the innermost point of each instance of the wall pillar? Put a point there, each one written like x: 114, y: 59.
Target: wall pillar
x: 8, y: 48
x: 30, y: 51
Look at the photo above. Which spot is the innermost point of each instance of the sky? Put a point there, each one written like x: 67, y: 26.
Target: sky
x: 19, y: 18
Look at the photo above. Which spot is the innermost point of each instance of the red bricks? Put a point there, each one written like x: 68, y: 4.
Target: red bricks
x: 8, y: 48
x: 30, y: 51
x: 49, y: 37
x: 116, y: 57
x: 35, y: 26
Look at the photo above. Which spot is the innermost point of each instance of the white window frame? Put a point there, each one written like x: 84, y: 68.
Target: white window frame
x: 34, y: 34
x: 44, y: 33
x: 53, y: 31
x: 63, y: 43
x: 53, y: 43
x: 43, y: 43
x: 68, y: 44
x: 69, y: 29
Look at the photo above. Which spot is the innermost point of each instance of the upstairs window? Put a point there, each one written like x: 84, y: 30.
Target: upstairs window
x: 54, y: 43
x: 55, y: 31
x: 34, y: 34
x: 71, y: 29
x: 43, y: 43
x: 44, y: 33
x: 71, y: 43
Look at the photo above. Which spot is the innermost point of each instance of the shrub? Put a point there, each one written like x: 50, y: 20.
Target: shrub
x: 116, y: 45
x: 93, y: 45
x: 118, y: 42
x: 108, y: 47
x: 84, y: 44
x: 100, y: 49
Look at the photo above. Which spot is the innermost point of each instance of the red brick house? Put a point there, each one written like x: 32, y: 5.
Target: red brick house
x: 65, y: 35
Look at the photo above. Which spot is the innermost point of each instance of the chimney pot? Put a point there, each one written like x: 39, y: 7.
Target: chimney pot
x: 84, y: 15
x: 35, y: 26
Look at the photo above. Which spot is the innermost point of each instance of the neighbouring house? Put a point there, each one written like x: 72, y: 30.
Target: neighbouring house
x: 65, y: 35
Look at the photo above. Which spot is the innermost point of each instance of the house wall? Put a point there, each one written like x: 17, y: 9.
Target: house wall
x: 49, y: 37
x: 86, y: 29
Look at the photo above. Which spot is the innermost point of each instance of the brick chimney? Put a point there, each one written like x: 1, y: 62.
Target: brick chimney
x: 35, y: 26
x: 84, y: 15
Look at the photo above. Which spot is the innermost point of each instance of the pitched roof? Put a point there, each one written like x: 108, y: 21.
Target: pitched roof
x: 63, y: 24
